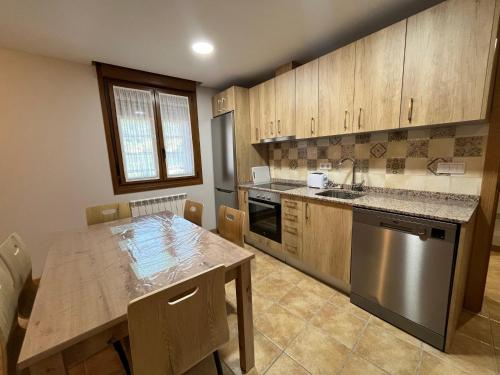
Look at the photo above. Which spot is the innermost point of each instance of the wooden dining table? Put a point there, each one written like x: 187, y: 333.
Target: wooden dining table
x: 92, y: 274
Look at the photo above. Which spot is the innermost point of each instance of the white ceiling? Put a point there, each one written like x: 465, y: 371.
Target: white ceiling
x: 251, y: 37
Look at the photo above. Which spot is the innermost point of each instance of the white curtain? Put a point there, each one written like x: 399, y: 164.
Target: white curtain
x: 177, y: 137
x: 136, y: 125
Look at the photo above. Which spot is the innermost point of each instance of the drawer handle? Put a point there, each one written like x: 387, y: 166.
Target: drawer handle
x: 290, y: 204
x: 293, y: 218
x: 410, y: 110
x: 291, y: 249
x: 291, y: 230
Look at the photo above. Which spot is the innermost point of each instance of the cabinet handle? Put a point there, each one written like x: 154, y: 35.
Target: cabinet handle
x: 307, y: 211
x: 410, y: 110
x: 271, y: 127
x: 222, y: 105
x: 218, y: 105
x: 290, y: 204
x: 279, y: 126
x: 345, y: 119
x: 359, y: 118
x: 312, y: 125
x: 256, y: 134
x: 290, y: 217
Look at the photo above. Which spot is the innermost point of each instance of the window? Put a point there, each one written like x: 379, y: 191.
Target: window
x: 151, y: 129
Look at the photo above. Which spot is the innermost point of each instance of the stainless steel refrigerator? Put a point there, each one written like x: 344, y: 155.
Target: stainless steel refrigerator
x: 224, y: 158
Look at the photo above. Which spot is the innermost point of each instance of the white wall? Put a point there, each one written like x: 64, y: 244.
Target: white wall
x: 53, y: 156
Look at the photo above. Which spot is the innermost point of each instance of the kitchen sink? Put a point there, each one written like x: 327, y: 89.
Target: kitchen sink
x: 340, y: 194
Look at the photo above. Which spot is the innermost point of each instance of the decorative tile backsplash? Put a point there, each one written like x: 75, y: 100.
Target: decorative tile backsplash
x: 401, y: 159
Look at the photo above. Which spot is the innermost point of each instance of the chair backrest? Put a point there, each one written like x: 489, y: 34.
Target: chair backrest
x: 16, y: 260
x: 231, y: 223
x: 193, y: 211
x: 108, y: 212
x: 8, y: 307
x: 174, y: 328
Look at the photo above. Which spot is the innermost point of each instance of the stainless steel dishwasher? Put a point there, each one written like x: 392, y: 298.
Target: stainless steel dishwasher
x: 402, y: 271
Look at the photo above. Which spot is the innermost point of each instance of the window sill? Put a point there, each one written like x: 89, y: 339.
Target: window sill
x: 138, y: 187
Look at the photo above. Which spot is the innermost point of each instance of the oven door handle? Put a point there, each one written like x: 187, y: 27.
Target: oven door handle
x: 252, y: 201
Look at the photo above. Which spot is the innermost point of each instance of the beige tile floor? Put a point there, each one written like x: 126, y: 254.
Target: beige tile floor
x: 305, y: 327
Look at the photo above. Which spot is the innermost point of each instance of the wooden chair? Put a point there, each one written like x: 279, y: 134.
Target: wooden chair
x: 193, y: 211
x: 8, y: 318
x: 231, y: 225
x: 108, y: 212
x: 173, y: 329
x: 17, y: 261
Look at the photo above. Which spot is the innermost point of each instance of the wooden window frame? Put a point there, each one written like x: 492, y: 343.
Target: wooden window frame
x: 109, y: 76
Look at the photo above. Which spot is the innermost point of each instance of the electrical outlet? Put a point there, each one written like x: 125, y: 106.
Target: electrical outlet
x: 325, y: 166
x: 450, y: 168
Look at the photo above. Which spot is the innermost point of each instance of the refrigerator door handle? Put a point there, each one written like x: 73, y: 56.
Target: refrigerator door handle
x: 224, y: 190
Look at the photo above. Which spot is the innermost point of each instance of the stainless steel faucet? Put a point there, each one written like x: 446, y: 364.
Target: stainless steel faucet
x: 354, y: 185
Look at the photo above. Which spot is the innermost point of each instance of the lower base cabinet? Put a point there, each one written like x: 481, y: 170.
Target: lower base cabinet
x: 318, y: 235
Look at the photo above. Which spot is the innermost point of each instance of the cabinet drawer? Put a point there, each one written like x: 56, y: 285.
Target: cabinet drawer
x: 291, y: 205
x: 291, y: 217
x: 291, y: 230
x: 292, y: 249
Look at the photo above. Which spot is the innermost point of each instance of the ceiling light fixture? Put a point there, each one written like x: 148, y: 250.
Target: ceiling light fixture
x: 203, y: 48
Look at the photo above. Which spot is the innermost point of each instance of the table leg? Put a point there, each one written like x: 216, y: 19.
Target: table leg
x: 50, y: 366
x: 245, y: 316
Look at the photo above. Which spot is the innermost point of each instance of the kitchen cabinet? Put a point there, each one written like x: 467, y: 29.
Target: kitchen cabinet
x: 223, y: 102
x: 336, y: 91
x: 326, y: 239
x: 306, y: 100
x: 378, y: 77
x: 291, y: 224
x: 267, y: 108
x: 254, y: 115
x: 243, y: 206
x: 446, y: 65
x: 285, y: 103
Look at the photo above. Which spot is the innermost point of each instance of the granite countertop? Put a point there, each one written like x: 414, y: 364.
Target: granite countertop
x: 438, y: 206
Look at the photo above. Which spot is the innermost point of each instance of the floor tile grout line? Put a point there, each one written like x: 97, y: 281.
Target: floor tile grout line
x: 419, y: 364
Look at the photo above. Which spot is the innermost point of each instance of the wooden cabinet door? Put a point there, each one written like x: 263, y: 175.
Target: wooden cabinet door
x: 378, y: 78
x: 285, y: 103
x: 306, y: 99
x: 326, y: 239
x: 291, y: 227
x: 267, y: 100
x: 447, y: 50
x: 336, y: 91
x: 254, y: 114
x: 243, y: 206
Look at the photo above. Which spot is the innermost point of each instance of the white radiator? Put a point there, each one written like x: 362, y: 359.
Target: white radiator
x: 173, y: 203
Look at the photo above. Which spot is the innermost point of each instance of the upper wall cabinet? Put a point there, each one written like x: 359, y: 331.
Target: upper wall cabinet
x: 379, y: 72
x: 306, y: 100
x: 446, y: 64
x: 267, y: 108
x: 285, y: 103
x: 336, y: 91
x: 254, y: 115
x: 223, y: 102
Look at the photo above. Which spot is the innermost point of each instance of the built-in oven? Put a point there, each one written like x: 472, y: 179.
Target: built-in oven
x: 265, y: 214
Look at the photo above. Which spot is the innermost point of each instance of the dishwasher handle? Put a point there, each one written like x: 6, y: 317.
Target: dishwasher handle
x: 413, y: 230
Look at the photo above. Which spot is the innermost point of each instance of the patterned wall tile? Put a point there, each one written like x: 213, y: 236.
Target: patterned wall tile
x: 400, y: 135
x: 312, y: 164
x: 362, y: 151
x: 362, y: 138
x: 277, y: 154
x: 378, y: 150
x: 395, y: 166
x: 285, y: 152
x: 397, y: 149
x: 293, y: 153
x: 322, y: 152
x: 361, y: 165
x: 347, y: 151
x: 418, y: 148
x: 468, y: 146
x: 293, y: 164
x: 443, y: 132
x: 312, y: 152
x: 441, y: 147
x: 302, y: 153
x: 334, y: 151
x: 311, y: 143
x: 335, y: 140
x: 277, y: 146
